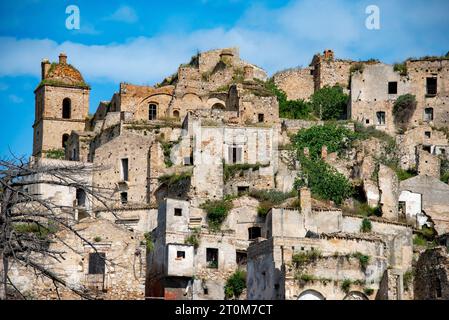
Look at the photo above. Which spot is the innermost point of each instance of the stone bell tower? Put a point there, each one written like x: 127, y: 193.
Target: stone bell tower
x: 61, y: 106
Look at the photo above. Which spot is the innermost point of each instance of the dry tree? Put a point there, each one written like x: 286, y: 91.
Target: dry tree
x: 29, y: 220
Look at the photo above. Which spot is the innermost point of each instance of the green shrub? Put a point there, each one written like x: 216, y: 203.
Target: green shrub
x: 363, y: 260
x: 364, y: 133
x: 55, y: 154
x: 407, y: 279
x: 194, y: 238
x: 368, y: 291
x: 217, y: 211
x: 346, y: 285
x: 419, y: 240
x: 323, y: 180
x: 291, y: 109
x: 175, y: 179
x: 235, y: 284
x: 149, y: 241
x: 230, y: 170
x: 366, y: 225
x: 302, y: 258
x: 444, y: 169
x: 329, y: 103
x: 296, y: 109
x: 269, y: 199
x: 364, y: 210
x: 335, y: 137
x: 97, y: 239
x: 357, y: 67
x: 401, y: 68
x: 39, y: 230
x: 405, y: 174
x: 305, y: 277
x: 403, y: 109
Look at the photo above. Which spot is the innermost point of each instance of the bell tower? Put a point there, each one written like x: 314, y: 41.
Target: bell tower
x: 61, y: 106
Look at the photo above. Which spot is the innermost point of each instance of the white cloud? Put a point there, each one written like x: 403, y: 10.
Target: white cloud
x: 15, y: 99
x: 124, y: 14
x: 273, y: 39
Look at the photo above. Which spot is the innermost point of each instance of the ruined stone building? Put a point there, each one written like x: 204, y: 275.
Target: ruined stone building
x: 211, y: 133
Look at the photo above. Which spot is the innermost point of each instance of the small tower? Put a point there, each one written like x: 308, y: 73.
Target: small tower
x: 61, y: 106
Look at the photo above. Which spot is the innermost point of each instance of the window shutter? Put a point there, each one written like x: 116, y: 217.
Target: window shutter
x: 230, y: 154
x: 239, y: 154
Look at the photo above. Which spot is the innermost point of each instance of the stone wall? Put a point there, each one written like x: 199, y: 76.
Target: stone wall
x: 124, y: 272
x: 432, y: 275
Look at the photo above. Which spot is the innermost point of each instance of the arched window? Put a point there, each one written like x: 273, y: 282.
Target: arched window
x: 176, y: 114
x: 152, y: 114
x: 218, y: 106
x: 65, y: 138
x: 66, y: 108
x: 81, y: 197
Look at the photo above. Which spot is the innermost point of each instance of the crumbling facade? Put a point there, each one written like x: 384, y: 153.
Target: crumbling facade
x: 212, y: 133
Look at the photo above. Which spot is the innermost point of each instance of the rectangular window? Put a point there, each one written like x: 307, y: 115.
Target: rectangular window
x: 380, y: 117
x: 124, y: 169
x: 180, y: 254
x: 97, y: 263
x: 241, y: 257
x: 152, y: 112
x: 242, y: 190
x: 212, y: 258
x: 235, y: 154
x: 427, y: 134
x: 431, y: 86
x: 260, y: 117
x: 392, y: 87
x: 367, y: 121
x: 254, y: 233
x: 178, y: 212
x: 428, y: 114
x: 124, y: 197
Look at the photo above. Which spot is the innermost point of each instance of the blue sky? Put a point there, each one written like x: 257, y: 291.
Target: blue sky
x: 143, y: 41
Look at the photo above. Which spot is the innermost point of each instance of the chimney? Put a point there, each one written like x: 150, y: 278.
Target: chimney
x: 45, y: 66
x: 328, y: 54
x: 305, y: 200
x: 324, y: 152
x: 62, y: 58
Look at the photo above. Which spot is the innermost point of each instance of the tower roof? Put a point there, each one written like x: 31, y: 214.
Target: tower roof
x: 63, y: 74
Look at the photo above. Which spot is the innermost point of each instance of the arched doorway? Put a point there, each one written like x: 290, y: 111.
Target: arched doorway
x: 311, y: 295
x: 355, y: 295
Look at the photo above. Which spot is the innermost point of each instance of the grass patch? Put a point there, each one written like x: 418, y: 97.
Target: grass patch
x: 230, y: 170
x: 270, y: 198
x: 366, y: 225
x: 149, y: 244
x: 39, y: 230
x: 346, y: 285
x: 55, y: 154
x: 363, y: 260
x: 175, y: 179
x: 302, y: 258
x: 368, y: 291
